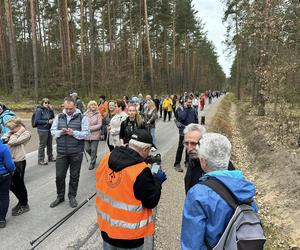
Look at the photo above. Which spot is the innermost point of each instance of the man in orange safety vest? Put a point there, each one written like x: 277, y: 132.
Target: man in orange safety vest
x: 127, y: 191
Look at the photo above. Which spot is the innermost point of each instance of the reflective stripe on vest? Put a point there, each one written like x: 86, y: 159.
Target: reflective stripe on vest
x: 119, y: 213
x: 124, y: 224
x: 118, y: 204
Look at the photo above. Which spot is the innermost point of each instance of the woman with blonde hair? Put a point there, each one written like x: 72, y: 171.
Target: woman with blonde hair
x: 18, y: 137
x: 95, y: 123
x: 150, y: 117
x: 133, y: 121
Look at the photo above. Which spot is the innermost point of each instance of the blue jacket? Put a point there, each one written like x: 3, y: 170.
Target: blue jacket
x: 6, y: 163
x: 5, y: 115
x: 186, y: 116
x: 206, y: 214
x: 42, y: 117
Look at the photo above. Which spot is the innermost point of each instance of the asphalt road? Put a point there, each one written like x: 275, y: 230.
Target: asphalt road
x: 80, y: 231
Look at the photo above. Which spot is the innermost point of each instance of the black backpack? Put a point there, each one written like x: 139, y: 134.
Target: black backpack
x: 244, y: 230
x: 33, y: 122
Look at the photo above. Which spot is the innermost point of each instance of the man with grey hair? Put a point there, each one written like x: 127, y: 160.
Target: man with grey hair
x: 127, y: 191
x: 192, y: 135
x: 205, y: 213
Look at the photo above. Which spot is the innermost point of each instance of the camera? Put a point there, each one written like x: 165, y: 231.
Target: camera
x: 154, y: 161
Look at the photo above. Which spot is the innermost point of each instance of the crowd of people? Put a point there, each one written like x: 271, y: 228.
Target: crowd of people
x: 127, y: 188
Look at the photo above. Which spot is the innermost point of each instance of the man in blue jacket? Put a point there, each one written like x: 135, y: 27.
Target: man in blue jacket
x: 205, y: 213
x: 185, y: 115
x: 7, y: 167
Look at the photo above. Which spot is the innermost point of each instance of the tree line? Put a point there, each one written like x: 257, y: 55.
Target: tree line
x: 107, y: 46
x: 266, y: 37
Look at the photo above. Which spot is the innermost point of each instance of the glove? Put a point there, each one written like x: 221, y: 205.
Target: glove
x: 161, y: 176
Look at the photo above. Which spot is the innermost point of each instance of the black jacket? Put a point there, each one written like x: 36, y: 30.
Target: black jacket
x: 146, y: 188
x: 194, y: 172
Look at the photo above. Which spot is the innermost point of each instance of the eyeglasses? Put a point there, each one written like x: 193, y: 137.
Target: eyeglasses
x: 192, y: 143
x: 46, y: 102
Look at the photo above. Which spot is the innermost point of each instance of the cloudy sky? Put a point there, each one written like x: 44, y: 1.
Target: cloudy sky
x: 211, y: 13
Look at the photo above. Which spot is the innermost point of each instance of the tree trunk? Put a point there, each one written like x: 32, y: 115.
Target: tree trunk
x: 12, y: 49
x: 68, y: 38
x: 149, y: 49
x: 238, y: 50
x: 3, y: 48
x: 34, y: 50
x: 92, y: 40
x: 82, y: 40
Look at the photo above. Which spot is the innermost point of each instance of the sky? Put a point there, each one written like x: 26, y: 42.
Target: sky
x: 211, y: 14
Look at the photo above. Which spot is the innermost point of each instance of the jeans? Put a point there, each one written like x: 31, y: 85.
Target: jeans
x: 180, y: 150
x: 4, y: 195
x: 63, y: 162
x: 91, y: 148
x: 17, y: 183
x: 152, y: 132
x: 107, y: 246
x: 45, y: 138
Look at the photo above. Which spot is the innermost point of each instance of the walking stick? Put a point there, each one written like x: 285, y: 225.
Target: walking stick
x: 48, y: 232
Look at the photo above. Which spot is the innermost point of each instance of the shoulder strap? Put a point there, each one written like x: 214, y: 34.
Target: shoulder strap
x: 222, y: 190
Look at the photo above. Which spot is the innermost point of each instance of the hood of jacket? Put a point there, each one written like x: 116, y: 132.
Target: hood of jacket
x: 122, y: 157
x: 234, y: 180
x: 7, y: 112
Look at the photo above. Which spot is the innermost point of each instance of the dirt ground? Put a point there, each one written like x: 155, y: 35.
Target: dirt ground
x: 274, y: 167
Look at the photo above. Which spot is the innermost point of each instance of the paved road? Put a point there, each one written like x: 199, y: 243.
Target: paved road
x: 80, y: 231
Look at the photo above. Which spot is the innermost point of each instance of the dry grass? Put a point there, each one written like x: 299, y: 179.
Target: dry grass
x: 222, y: 122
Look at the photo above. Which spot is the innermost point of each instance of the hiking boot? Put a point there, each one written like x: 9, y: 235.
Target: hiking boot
x: 16, y: 208
x: 73, y: 202
x: 42, y: 163
x: 92, y: 166
x: 178, y: 168
x: 56, y: 202
x: 21, y: 210
x: 2, y: 223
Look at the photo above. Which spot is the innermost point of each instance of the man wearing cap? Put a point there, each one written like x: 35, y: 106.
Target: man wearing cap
x: 126, y: 194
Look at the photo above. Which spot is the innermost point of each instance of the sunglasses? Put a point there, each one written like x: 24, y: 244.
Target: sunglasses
x: 46, y: 102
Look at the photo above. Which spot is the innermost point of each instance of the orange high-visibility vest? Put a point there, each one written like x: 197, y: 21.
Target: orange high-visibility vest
x: 119, y: 213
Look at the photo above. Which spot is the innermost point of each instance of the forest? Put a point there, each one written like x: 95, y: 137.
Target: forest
x: 266, y: 38
x: 112, y: 47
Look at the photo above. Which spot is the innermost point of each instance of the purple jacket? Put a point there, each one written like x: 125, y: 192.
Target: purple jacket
x: 95, y: 123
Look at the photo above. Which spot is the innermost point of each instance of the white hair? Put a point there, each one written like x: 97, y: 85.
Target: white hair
x: 216, y: 150
x: 194, y: 127
x: 138, y: 144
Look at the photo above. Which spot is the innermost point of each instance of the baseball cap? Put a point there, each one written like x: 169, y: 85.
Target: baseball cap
x: 142, y: 135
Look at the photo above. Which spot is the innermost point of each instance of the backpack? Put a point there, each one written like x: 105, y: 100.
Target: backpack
x: 244, y: 230
x: 33, y: 121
